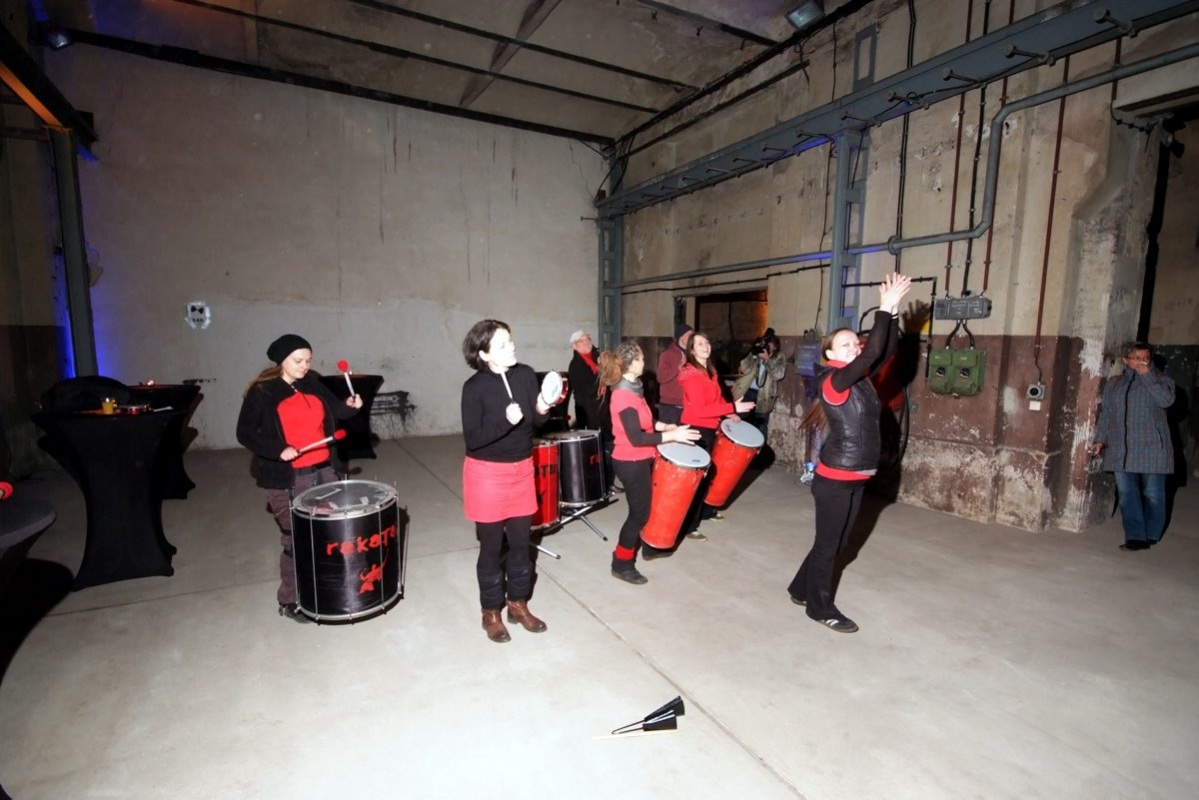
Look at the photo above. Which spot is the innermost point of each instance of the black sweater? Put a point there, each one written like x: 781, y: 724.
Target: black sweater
x: 485, y: 427
x: 260, y: 431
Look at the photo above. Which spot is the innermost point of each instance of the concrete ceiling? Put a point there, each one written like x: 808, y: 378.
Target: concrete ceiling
x: 598, y: 68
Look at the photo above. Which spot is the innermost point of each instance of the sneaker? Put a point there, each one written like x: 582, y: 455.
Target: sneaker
x: 696, y: 536
x: 650, y: 555
x: 717, y: 517
x: 797, y: 601
x: 292, y: 611
x: 1135, y: 544
x: 840, y: 625
x: 630, y: 575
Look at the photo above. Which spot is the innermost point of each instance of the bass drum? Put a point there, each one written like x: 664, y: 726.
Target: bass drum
x: 349, y: 550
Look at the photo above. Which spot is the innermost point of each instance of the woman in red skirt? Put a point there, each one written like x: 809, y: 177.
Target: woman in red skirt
x: 501, y: 403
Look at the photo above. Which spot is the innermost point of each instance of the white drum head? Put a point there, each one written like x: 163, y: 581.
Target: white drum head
x: 344, y: 499
x: 572, y: 436
x: 685, y: 455
x: 551, y: 386
x: 742, y: 433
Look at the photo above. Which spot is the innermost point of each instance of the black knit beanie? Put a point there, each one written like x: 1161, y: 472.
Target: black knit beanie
x: 285, y: 345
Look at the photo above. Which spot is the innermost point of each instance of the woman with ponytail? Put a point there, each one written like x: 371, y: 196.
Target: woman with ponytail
x: 636, y: 436
x: 850, y: 408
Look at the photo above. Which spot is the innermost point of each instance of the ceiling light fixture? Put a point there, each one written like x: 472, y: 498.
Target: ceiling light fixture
x: 805, y: 14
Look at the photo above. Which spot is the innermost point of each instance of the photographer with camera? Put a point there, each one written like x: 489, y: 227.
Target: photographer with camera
x: 758, y: 377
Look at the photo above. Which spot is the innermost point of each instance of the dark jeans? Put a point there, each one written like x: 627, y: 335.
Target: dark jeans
x: 637, y: 477
x: 491, y: 565
x: 279, y: 501
x: 1142, y: 505
x: 837, y: 506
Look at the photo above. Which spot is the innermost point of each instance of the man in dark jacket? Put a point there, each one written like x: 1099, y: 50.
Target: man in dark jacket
x: 1134, y: 438
x: 584, y: 383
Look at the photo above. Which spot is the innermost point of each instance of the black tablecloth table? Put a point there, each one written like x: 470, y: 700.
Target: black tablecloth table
x: 359, y: 441
x: 21, y: 522
x: 176, y: 483
x: 114, y: 458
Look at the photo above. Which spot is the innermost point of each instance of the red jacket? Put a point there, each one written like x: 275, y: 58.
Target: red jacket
x: 703, y: 401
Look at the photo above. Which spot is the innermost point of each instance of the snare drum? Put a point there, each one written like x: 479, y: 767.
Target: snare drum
x: 678, y: 470
x: 349, y: 549
x: 580, y: 468
x: 545, y: 478
x: 736, y: 445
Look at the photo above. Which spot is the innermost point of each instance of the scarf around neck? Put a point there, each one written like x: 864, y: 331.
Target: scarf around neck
x: 631, y: 386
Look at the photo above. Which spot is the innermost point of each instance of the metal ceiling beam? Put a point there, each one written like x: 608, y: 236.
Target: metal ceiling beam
x: 535, y: 14
x: 377, y: 5
x: 397, y: 52
x: 1053, y: 34
x: 191, y: 58
x: 708, y: 22
x: 794, y: 40
x: 20, y: 73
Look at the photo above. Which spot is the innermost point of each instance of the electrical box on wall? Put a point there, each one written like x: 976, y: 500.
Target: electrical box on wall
x: 974, y: 307
x: 957, y: 372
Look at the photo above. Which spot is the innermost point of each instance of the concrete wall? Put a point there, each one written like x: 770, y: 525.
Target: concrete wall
x: 380, y: 234
x: 33, y: 324
x: 1065, y: 291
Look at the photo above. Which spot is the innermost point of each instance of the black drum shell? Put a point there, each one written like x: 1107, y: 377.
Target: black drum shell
x: 580, y: 468
x: 348, y: 567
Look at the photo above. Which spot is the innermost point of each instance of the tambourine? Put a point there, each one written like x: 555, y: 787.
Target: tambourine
x: 553, y: 388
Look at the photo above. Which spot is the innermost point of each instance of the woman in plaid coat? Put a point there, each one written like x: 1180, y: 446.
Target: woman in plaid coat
x: 1134, y: 438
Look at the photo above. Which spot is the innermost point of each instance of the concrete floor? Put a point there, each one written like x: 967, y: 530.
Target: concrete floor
x: 991, y: 663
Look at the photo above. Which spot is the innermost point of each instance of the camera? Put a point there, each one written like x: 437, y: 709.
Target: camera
x: 1035, y: 391
x: 758, y: 348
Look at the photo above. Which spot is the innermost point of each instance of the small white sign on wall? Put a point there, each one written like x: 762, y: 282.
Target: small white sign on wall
x: 199, y: 316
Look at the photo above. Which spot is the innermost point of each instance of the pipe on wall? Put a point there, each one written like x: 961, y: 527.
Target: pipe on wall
x: 990, y: 188
x: 895, y: 244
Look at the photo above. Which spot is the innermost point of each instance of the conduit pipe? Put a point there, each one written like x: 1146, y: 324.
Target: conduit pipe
x: 798, y: 258
x: 895, y: 244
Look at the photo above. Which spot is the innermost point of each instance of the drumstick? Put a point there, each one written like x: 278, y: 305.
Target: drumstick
x: 344, y: 367
x: 336, y: 437
x: 504, y: 375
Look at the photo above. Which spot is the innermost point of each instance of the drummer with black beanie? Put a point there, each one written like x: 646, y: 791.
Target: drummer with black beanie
x: 285, y: 409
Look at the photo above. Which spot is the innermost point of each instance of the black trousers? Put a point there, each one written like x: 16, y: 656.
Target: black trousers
x: 638, y: 480
x: 491, y: 565
x: 837, y: 506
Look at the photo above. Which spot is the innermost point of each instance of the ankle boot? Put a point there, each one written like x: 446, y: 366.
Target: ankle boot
x: 518, y: 611
x: 494, y: 625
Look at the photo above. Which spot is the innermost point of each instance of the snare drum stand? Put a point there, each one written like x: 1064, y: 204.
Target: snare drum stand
x: 578, y: 513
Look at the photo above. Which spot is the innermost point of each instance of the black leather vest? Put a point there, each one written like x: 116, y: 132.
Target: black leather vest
x: 853, y: 441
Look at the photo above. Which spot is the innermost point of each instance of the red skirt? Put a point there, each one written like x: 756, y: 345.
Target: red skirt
x: 493, y: 491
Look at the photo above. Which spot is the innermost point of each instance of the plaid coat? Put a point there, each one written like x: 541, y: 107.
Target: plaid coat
x: 1132, y: 423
